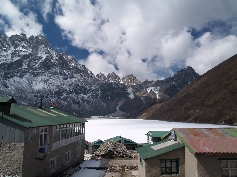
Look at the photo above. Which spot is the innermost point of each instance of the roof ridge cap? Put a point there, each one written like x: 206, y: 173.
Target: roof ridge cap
x: 163, y: 144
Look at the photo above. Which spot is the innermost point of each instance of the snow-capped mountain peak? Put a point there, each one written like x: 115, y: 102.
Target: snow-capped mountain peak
x: 30, y: 69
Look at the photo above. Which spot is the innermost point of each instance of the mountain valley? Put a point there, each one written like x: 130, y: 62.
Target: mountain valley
x: 30, y: 70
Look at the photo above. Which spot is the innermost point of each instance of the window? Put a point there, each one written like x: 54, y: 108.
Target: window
x: 70, y: 130
x: 53, y: 165
x: 83, y: 128
x: 65, y: 134
x: 68, y: 156
x: 78, y: 151
x: 79, y: 142
x: 229, y: 168
x: 77, y: 131
x: 169, y: 166
x: 43, y: 139
x: 56, y: 135
x: 43, y: 136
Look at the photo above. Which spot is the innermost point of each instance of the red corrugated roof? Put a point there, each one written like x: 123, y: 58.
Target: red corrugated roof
x: 208, y: 140
x: 212, y: 145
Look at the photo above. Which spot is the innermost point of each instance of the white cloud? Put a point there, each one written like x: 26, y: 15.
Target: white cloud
x: 210, y: 51
x: 134, y: 36
x: 175, y: 49
x: 98, y: 63
x: 46, y: 8
x: 18, y: 22
x: 128, y: 31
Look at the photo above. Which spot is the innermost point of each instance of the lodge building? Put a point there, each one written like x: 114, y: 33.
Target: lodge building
x: 38, y: 142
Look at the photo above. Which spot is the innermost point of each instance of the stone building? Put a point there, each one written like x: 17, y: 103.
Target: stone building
x: 156, y: 136
x: 130, y: 145
x: 206, y: 152
x: 38, y: 142
x: 153, y: 159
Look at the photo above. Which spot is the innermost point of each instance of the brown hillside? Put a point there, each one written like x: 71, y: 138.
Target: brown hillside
x: 210, y: 99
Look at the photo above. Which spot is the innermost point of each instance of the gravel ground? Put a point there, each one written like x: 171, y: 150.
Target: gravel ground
x: 11, y: 157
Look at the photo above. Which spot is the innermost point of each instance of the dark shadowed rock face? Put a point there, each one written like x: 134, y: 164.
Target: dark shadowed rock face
x: 210, y: 99
x: 112, y: 77
x: 148, y: 93
x: 30, y: 70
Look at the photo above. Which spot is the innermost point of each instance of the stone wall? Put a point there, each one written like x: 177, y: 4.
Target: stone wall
x: 11, y: 158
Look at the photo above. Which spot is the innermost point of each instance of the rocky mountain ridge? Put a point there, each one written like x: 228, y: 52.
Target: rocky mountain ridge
x: 112, y: 77
x: 30, y: 69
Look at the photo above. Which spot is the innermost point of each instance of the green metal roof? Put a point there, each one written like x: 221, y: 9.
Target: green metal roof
x: 7, y: 100
x: 27, y: 116
x: 156, y: 149
x: 156, y: 134
x: 97, y: 142
x: 119, y: 138
x: 231, y: 131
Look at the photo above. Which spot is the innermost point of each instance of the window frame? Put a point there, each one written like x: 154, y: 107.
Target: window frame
x: 229, y: 168
x: 44, y: 138
x: 176, y: 160
x: 65, y: 134
x: 68, y: 157
x: 54, y: 162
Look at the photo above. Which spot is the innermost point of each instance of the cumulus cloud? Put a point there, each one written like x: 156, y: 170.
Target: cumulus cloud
x: 210, y: 51
x: 17, y: 22
x: 97, y: 64
x: 144, y: 38
x: 176, y: 48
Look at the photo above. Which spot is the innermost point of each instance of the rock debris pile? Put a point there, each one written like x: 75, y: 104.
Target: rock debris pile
x: 112, y: 150
x: 121, y: 168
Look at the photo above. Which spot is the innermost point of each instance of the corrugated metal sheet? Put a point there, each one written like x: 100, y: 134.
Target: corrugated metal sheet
x: 159, y: 148
x: 7, y: 100
x: 119, y: 138
x: 157, y: 134
x: 231, y: 131
x: 209, y: 140
x: 34, y: 117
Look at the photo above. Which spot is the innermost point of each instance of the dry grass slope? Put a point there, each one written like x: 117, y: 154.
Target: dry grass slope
x: 210, y: 99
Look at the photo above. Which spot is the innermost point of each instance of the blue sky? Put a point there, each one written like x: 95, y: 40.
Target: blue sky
x: 151, y: 40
